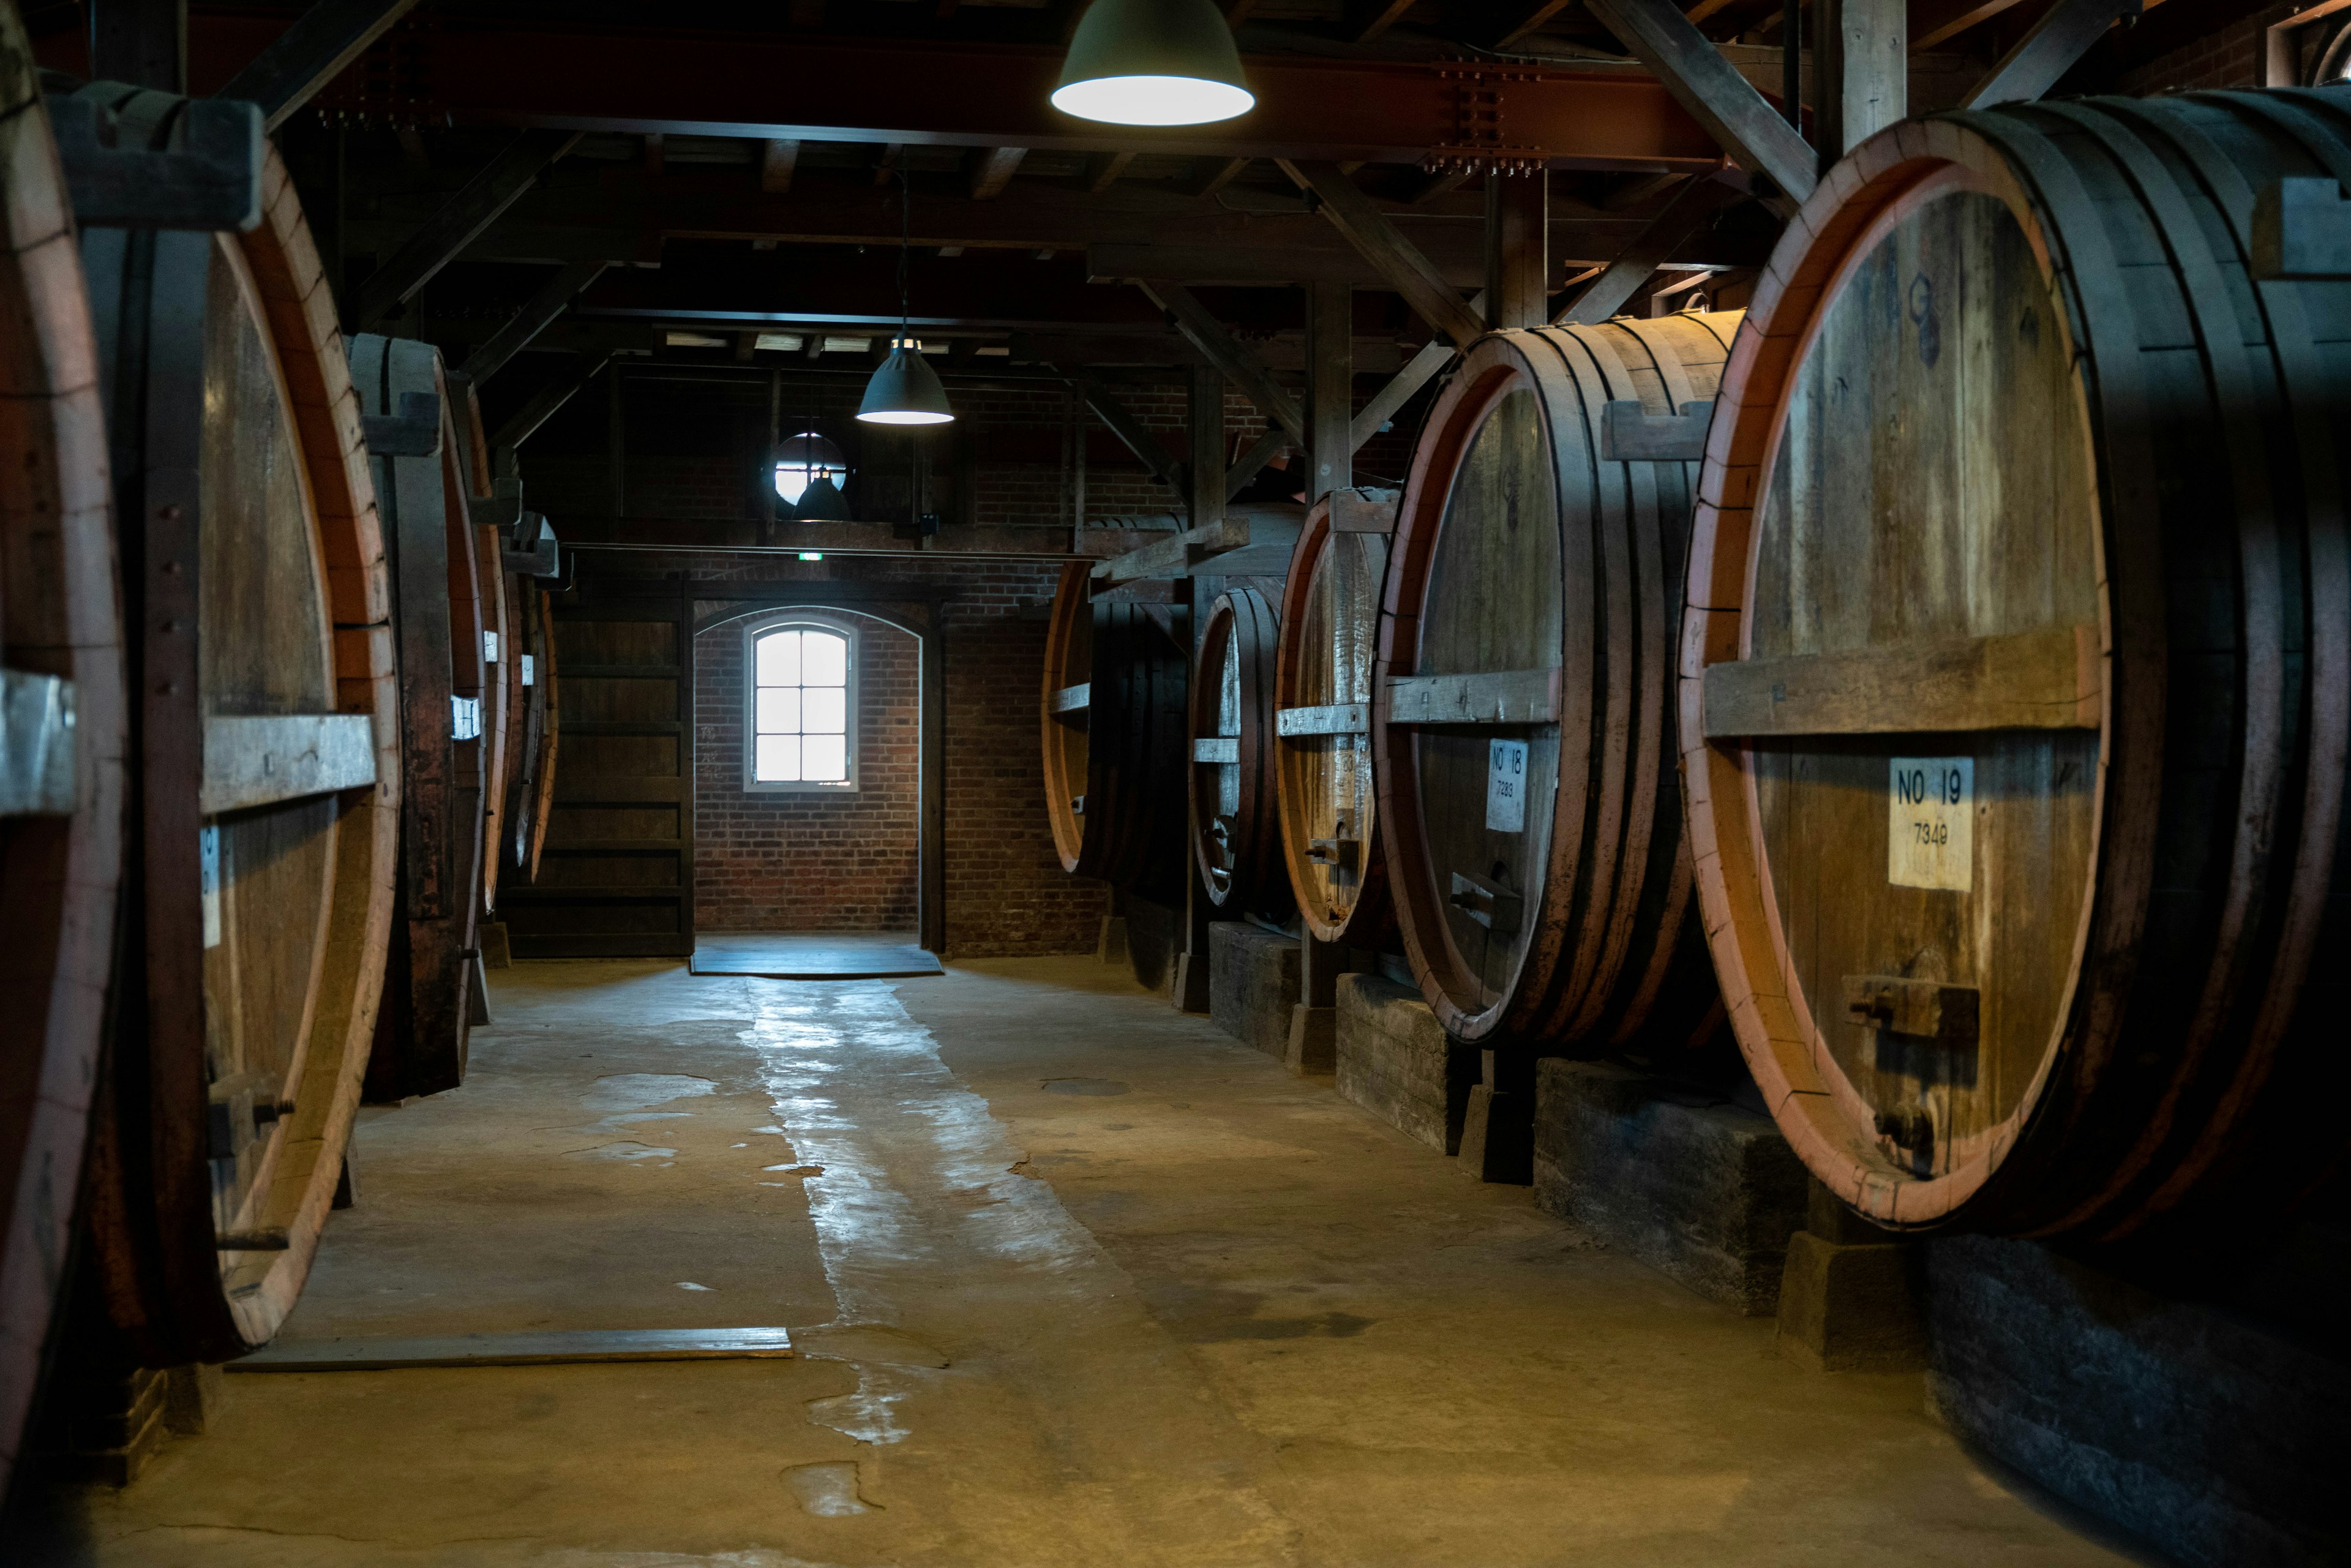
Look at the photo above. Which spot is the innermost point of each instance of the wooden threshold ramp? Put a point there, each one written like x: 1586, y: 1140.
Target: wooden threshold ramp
x: 543, y: 1348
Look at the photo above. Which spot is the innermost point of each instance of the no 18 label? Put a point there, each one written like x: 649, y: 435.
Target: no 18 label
x: 1930, y: 837
x: 1506, y: 787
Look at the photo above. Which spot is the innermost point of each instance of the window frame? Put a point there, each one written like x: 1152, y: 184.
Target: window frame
x: 794, y: 621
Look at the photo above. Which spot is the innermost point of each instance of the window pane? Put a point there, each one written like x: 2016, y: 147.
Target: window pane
x: 826, y: 710
x: 826, y: 660
x: 778, y: 760
x: 779, y: 710
x: 779, y: 659
x: 827, y: 758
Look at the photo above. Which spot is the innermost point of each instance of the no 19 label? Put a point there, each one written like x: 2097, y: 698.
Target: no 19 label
x: 1930, y: 840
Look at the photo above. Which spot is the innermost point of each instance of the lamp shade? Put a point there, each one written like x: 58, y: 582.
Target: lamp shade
x: 822, y: 502
x: 905, y: 391
x: 1153, y: 62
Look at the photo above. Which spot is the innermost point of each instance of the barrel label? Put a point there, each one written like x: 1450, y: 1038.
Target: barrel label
x: 1930, y: 840
x: 1506, y: 787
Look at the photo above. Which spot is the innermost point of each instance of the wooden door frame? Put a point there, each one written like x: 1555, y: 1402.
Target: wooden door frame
x: 912, y: 609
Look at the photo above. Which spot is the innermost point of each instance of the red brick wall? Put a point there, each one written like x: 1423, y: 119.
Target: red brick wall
x: 776, y: 861
x: 2230, y: 56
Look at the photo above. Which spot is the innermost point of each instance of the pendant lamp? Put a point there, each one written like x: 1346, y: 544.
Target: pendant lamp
x: 1153, y: 62
x: 905, y: 391
x: 822, y: 502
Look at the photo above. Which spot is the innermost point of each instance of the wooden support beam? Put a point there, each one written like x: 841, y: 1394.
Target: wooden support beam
x: 656, y: 153
x: 1862, y: 75
x: 1415, y: 373
x: 1252, y: 462
x: 1693, y: 206
x: 1205, y: 333
x: 458, y: 223
x: 1517, y: 262
x: 1210, y: 175
x: 1442, y: 182
x: 1244, y: 544
x: 545, y: 306
x: 1341, y: 718
x: 524, y: 422
x: 993, y: 170
x: 778, y: 160
x: 1491, y: 696
x: 1369, y: 18
x: 1138, y: 436
x: 1528, y: 16
x: 886, y: 164
x: 2049, y: 679
x: 1408, y: 272
x: 1329, y: 389
x: 322, y: 42
x: 1204, y: 427
x: 2048, y: 51
x: 1103, y: 170
x: 1711, y: 87
x: 1933, y: 22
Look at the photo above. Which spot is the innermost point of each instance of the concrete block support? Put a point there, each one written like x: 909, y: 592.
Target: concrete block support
x: 1253, y: 984
x: 1698, y: 1189
x: 2209, y: 1432
x: 1851, y: 1296
x: 1393, y: 1060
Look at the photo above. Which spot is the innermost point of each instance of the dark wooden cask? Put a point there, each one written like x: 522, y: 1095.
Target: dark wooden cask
x: 61, y: 729
x: 1236, y: 825
x: 1523, y: 726
x: 1322, y: 742
x: 1115, y: 718
x: 266, y: 776
x: 442, y: 605
x: 2017, y: 669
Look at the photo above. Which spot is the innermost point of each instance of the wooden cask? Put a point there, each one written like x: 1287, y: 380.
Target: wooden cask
x: 1235, y: 817
x: 266, y: 774
x: 1113, y: 716
x: 442, y: 605
x: 61, y: 729
x: 1322, y: 702
x: 2017, y: 669
x: 1523, y: 725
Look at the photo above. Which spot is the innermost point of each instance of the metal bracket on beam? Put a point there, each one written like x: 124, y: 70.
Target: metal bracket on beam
x: 413, y: 432
x: 1629, y: 434
x: 210, y: 181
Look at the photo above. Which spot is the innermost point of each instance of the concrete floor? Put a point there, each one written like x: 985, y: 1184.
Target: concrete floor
x: 1077, y: 1280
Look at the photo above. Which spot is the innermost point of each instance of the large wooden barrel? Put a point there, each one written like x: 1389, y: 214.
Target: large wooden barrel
x: 441, y: 607
x: 61, y: 729
x: 1235, y: 818
x: 1522, y: 723
x: 1322, y: 700
x: 267, y: 769
x: 1115, y: 717
x: 2018, y: 666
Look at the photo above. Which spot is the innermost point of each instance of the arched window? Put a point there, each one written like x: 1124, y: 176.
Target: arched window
x: 799, y: 718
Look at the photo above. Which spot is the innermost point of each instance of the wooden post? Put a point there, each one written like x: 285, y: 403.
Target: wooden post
x: 1330, y: 466
x: 1206, y: 466
x: 1861, y: 71
x: 1517, y: 266
x: 766, y: 476
x: 614, y: 471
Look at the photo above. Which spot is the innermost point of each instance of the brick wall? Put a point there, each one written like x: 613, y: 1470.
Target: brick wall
x: 773, y: 861
x: 1005, y: 891
x: 2230, y: 56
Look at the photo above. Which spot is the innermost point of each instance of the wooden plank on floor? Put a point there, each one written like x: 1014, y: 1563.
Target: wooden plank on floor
x: 548, y: 1348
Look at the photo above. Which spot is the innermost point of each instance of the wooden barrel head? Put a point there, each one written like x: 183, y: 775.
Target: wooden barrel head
x: 1329, y: 811
x: 1061, y: 706
x: 61, y: 682
x: 267, y: 775
x: 1522, y: 730
x: 1997, y: 940
x: 1235, y: 840
x: 447, y: 711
